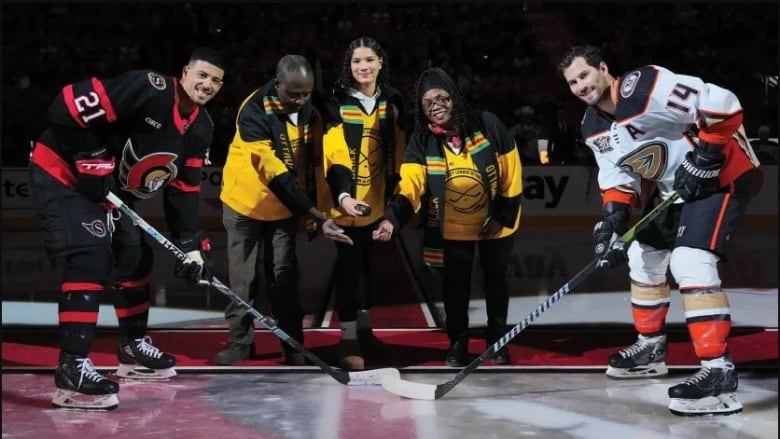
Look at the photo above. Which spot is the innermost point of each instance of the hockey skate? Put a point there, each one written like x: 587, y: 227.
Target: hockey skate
x: 140, y: 360
x: 80, y: 386
x: 645, y: 358
x: 710, y: 391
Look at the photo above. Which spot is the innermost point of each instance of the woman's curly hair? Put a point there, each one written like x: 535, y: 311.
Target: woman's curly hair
x: 462, y: 113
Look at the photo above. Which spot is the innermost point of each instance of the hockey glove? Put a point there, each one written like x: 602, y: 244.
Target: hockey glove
x: 697, y: 175
x: 95, y: 174
x: 611, y: 251
x: 199, y: 269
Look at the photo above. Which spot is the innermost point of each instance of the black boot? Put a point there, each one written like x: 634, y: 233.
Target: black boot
x: 502, y: 356
x: 369, y: 342
x: 293, y: 328
x: 456, y: 355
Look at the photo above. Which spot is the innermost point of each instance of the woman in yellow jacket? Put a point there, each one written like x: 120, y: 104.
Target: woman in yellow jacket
x: 362, y: 150
x: 465, y: 166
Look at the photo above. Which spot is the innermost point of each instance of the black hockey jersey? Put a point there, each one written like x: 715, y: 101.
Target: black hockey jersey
x: 135, y: 118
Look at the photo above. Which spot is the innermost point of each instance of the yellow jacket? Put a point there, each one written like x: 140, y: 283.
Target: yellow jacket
x: 269, y: 171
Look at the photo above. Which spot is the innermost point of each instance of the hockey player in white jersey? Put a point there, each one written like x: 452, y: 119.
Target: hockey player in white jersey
x: 685, y: 135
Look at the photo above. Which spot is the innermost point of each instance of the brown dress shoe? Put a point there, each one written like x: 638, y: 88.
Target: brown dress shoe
x: 350, y: 357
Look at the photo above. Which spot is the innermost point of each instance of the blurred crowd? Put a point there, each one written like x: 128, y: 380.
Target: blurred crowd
x: 502, y: 54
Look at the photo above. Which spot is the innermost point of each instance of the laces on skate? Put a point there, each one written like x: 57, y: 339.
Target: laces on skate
x: 645, y: 358
x: 712, y: 390
x: 91, y: 392
x: 139, y: 359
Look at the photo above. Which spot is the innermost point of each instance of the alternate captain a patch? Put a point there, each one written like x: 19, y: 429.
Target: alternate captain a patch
x: 157, y: 81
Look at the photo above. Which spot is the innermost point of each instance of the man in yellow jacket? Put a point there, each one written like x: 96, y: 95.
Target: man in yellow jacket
x: 267, y: 187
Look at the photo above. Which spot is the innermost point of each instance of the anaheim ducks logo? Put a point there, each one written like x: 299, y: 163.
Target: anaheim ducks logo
x: 648, y: 161
x: 144, y: 176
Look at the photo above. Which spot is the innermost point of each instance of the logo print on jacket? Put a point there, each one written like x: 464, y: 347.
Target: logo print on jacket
x: 144, y: 176
x: 629, y: 84
x: 602, y: 144
x: 157, y: 81
x: 96, y: 228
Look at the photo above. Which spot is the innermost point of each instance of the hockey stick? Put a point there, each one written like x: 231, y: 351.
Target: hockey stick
x: 368, y: 377
x: 409, y: 389
x: 418, y: 280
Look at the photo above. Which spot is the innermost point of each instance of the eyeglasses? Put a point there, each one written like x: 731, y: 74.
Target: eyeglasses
x: 438, y: 100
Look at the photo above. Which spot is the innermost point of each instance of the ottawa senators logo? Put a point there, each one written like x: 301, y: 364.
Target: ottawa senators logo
x: 96, y: 228
x: 157, y: 81
x: 144, y: 176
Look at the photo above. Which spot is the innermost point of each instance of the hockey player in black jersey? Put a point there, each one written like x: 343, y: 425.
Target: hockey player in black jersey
x: 137, y: 134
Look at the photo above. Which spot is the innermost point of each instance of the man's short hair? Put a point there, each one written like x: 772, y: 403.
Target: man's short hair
x: 292, y: 63
x: 591, y: 54
x: 209, y: 55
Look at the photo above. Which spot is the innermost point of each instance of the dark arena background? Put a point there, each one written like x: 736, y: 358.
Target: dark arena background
x: 502, y: 56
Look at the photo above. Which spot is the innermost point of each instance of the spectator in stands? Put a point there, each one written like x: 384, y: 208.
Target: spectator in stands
x: 468, y: 164
x: 563, y: 139
x: 766, y: 149
x: 532, y: 143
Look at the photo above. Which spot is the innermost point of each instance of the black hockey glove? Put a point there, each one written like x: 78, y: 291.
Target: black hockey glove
x: 95, y: 174
x: 200, y: 269
x: 611, y: 251
x: 697, y: 175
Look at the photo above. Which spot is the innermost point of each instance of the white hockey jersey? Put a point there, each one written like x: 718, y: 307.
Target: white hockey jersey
x: 658, y: 114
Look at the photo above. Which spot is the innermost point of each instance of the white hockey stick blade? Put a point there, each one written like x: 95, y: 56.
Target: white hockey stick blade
x: 409, y: 389
x: 372, y: 377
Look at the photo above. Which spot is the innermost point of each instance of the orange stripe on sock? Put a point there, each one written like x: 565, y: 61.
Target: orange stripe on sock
x: 649, y: 320
x: 709, y: 337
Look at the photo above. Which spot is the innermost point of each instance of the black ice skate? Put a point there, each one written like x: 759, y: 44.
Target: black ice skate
x: 80, y: 386
x: 645, y: 358
x: 710, y: 391
x: 140, y: 360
